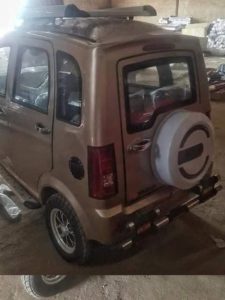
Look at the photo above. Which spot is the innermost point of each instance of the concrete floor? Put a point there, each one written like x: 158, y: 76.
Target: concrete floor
x: 192, y: 244
x: 127, y: 288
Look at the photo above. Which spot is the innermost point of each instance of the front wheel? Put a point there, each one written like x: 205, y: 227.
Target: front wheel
x: 65, y: 230
x: 43, y: 285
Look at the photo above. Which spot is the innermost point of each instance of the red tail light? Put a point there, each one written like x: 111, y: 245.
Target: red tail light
x: 102, y: 172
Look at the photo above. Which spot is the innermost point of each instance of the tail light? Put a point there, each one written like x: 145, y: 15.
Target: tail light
x: 102, y: 172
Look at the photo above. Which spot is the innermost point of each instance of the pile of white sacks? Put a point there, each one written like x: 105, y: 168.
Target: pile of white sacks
x: 216, y: 36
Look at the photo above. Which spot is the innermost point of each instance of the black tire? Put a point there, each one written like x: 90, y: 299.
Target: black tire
x: 36, y: 287
x: 82, y: 251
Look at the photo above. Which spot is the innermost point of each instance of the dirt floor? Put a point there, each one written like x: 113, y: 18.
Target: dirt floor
x: 192, y: 244
x: 127, y: 288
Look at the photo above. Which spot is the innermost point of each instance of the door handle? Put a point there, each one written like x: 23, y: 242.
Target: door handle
x: 140, y: 146
x: 42, y: 129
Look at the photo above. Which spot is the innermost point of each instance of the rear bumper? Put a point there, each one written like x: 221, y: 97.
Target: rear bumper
x: 123, y: 227
x: 154, y: 222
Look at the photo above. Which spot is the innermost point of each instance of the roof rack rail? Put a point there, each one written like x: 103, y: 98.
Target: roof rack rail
x: 72, y: 11
x: 125, y: 12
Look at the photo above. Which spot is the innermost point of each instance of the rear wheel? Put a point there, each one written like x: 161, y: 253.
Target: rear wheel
x: 43, y: 285
x: 66, y: 231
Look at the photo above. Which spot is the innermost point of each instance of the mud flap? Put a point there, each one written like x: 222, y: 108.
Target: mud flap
x: 7, y: 205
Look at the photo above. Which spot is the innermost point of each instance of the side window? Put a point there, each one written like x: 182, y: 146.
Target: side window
x: 69, y: 97
x: 4, y: 63
x: 32, y: 79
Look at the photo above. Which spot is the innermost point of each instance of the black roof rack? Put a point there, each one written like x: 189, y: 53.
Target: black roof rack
x: 130, y: 12
x: 94, y: 26
x: 72, y: 11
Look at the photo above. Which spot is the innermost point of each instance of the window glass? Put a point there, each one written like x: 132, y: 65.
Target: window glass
x: 69, y: 89
x: 32, y: 81
x: 180, y: 72
x: 147, y: 76
x: 4, y: 62
x: 155, y: 87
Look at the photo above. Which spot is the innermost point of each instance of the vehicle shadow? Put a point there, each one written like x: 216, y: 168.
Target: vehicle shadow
x: 186, y: 246
x: 69, y: 283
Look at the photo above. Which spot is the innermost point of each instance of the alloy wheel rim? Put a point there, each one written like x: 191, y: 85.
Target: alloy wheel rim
x: 63, y: 231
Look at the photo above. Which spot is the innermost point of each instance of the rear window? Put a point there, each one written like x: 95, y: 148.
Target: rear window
x: 156, y: 86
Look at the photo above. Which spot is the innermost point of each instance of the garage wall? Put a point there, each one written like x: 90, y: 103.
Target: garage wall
x: 44, y: 2
x: 83, y: 4
x: 203, y: 10
x: 163, y: 7
x: 200, y: 10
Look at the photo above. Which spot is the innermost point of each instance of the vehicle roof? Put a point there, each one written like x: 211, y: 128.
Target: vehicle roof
x: 102, y: 30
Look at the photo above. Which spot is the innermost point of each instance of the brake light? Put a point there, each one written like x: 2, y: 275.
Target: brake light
x: 102, y: 172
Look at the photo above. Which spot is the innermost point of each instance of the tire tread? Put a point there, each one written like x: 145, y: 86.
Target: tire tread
x: 83, y: 253
x: 28, y: 286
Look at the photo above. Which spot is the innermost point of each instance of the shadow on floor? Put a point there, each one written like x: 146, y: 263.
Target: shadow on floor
x: 186, y: 246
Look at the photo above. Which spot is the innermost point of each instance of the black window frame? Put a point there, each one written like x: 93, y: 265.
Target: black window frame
x: 19, y: 68
x: 6, y: 81
x: 131, y: 128
x: 61, y: 52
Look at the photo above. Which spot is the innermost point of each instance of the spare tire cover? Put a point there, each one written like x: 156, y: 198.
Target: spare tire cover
x: 182, y: 149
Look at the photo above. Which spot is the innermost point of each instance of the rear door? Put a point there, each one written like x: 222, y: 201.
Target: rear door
x: 151, y: 86
x: 31, y: 112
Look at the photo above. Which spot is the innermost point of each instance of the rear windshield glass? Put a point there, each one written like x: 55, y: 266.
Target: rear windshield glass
x: 157, y: 86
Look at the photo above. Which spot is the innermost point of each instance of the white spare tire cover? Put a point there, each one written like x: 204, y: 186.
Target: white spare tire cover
x: 182, y: 149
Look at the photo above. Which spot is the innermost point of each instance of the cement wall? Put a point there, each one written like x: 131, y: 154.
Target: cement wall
x: 200, y: 10
x: 44, y: 2
x: 83, y: 4
x: 163, y: 7
x: 203, y: 10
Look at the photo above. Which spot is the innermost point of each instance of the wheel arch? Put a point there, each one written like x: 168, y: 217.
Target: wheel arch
x: 49, y: 185
x: 47, y: 192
